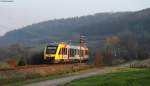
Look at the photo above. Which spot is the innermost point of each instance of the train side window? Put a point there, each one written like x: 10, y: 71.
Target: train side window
x: 81, y: 52
x: 65, y: 51
x: 78, y: 52
x: 86, y: 52
x: 70, y: 52
x: 62, y: 51
x: 75, y: 52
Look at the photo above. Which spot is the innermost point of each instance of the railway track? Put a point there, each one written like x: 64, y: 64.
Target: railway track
x: 23, y: 67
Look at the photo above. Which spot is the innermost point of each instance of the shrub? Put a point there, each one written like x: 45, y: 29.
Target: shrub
x: 21, y: 62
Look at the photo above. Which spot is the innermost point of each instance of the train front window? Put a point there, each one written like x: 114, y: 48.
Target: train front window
x: 51, y: 50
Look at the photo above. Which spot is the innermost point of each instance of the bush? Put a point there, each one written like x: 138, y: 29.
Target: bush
x: 21, y: 62
x: 12, y: 62
x: 37, y: 58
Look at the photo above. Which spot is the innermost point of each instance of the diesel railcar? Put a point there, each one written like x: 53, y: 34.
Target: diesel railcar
x: 63, y: 52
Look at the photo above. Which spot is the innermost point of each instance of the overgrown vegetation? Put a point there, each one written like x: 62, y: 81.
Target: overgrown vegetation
x: 17, y: 78
x: 19, y: 55
x: 122, y: 48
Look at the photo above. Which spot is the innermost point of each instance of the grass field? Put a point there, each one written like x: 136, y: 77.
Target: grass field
x: 132, y: 77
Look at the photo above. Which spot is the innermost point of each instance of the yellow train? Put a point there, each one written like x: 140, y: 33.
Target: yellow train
x: 63, y: 52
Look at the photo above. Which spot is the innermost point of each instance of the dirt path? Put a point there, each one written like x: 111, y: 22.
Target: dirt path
x: 64, y: 80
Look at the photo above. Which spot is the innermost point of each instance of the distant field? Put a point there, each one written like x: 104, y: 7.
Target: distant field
x: 133, y: 77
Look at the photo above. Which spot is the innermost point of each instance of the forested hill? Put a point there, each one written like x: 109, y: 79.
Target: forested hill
x: 94, y: 27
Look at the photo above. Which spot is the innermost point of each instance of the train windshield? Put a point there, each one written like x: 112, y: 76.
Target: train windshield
x: 51, y: 49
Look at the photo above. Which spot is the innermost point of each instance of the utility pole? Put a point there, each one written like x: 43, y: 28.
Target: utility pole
x: 82, y: 41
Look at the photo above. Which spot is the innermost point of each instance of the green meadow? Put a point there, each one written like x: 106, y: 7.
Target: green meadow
x: 132, y: 77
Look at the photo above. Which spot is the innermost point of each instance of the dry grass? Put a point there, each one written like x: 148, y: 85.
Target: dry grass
x: 13, y: 76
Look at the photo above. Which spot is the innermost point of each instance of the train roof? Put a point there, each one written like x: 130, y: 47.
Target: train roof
x: 70, y: 44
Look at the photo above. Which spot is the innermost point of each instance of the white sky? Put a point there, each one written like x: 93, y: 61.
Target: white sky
x: 14, y: 15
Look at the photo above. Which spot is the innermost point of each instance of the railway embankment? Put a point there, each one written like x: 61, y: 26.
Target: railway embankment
x: 32, y: 73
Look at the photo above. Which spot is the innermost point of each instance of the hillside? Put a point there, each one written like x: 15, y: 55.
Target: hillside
x: 98, y: 25
x: 127, y: 31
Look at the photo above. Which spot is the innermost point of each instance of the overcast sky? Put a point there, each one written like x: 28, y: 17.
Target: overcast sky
x: 19, y: 13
